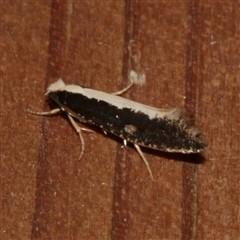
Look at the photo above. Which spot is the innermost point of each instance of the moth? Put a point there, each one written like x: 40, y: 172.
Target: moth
x: 167, y: 130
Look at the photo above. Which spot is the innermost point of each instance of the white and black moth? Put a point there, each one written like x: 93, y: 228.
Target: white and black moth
x: 161, y: 129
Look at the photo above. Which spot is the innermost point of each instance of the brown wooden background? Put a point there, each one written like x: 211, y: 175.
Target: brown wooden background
x: 189, y: 52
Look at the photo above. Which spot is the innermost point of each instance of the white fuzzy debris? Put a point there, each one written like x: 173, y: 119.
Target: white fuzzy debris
x: 137, y: 78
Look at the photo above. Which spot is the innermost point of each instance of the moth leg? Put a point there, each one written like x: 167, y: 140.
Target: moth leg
x: 144, y: 159
x: 79, y: 131
x: 52, y: 112
x: 123, y: 90
x: 104, y: 132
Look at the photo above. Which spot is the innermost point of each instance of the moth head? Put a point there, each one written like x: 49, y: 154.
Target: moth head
x: 56, y: 86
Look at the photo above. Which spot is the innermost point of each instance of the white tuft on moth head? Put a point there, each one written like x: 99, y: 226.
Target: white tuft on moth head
x: 55, y: 86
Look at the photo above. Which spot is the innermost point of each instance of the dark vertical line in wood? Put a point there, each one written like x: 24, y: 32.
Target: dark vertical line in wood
x: 189, y: 170
x: 57, y: 39
x: 3, y: 79
x: 192, y: 59
x: 133, y: 42
x: 120, y: 211
x: 43, y: 184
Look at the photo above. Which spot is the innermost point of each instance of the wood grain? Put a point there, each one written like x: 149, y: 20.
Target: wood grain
x: 189, y: 52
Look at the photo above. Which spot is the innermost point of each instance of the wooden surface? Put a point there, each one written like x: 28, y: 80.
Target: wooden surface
x: 189, y: 52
